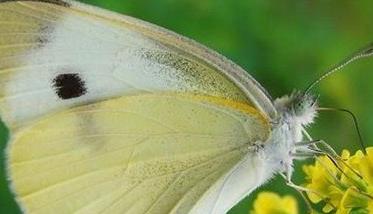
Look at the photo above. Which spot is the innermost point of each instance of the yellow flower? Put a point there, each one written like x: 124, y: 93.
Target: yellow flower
x: 346, y: 188
x: 321, y: 180
x: 271, y: 203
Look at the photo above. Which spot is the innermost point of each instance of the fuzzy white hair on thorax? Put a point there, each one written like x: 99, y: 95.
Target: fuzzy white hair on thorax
x: 296, y: 111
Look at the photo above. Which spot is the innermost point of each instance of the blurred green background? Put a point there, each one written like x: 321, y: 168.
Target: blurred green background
x: 285, y: 45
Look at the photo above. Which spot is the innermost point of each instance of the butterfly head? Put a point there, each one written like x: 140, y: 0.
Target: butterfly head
x: 300, y: 107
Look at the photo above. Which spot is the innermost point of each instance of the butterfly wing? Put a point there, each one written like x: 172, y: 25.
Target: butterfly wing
x: 138, y: 154
x: 71, y: 150
x: 46, y: 45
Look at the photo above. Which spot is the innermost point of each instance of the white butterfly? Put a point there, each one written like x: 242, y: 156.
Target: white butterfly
x: 110, y: 114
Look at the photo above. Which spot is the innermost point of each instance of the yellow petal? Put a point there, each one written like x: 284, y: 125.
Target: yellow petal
x: 370, y: 206
x: 353, y: 199
x: 327, y: 208
x: 366, y: 166
x: 271, y: 203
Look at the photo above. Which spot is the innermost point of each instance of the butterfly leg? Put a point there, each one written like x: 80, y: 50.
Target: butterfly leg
x: 312, y: 149
x: 303, y: 190
x: 327, y: 150
x: 305, y: 150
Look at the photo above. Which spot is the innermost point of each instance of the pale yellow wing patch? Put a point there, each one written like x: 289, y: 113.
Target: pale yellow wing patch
x: 136, y: 154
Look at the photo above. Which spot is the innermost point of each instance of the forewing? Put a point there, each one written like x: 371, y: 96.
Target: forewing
x: 60, y: 54
x: 136, y: 154
x: 147, y: 148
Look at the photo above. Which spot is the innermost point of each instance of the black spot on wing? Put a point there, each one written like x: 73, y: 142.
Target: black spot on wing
x: 69, y: 86
x: 56, y: 2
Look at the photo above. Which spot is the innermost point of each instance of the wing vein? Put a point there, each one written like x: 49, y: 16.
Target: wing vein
x: 220, y: 155
x: 164, y: 192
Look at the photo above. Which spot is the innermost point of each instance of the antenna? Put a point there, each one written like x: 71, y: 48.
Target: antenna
x: 362, y: 53
x: 365, y: 52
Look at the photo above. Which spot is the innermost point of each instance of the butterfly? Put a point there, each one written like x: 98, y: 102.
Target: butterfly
x: 111, y: 114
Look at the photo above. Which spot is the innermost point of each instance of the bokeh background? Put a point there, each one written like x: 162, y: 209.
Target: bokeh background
x: 285, y: 45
